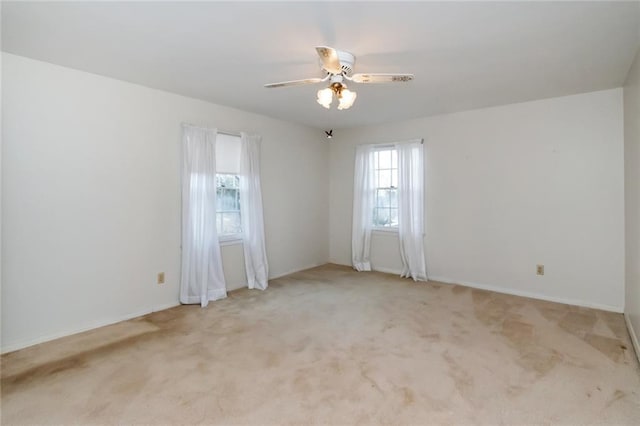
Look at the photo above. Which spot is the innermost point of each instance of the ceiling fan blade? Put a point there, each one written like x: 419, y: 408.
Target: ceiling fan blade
x: 381, y: 78
x: 294, y: 83
x: 330, y: 60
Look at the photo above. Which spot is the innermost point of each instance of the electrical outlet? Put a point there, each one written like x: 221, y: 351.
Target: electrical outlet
x: 160, y: 277
x: 540, y: 269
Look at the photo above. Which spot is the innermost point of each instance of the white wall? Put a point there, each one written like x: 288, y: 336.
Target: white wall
x: 508, y: 188
x: 91, y: 198
x: 91, y: 205
x: 632, y: 199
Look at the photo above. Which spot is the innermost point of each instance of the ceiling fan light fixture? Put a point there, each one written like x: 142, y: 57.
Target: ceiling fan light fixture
x: 346, y: 98
x: 325, y: 97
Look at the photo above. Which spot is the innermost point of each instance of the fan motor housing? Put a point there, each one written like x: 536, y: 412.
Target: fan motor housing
x: 347, y: 61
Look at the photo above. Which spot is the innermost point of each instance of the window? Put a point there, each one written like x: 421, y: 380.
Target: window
x: 228, y: 204
x: 228, y: 208
x: 385, y: 206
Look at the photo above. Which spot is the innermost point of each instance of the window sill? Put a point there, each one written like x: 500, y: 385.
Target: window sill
x: 229, y: 240
x: 389, y: 230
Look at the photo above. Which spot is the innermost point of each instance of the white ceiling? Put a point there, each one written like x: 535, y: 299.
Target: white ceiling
x: 463, y: 55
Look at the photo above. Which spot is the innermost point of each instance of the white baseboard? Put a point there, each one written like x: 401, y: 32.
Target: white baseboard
x: 387, y: 271
x: 166, y: 306
x: 30, y: 342
x: 373, y: 268
x: 236, y: 286
x: 634, y: 336
x: 514, y: 292
x: 274, y: 277
x: 497, y: 289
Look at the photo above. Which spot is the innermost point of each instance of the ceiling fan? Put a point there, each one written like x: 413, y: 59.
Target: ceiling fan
x: 338, y: 66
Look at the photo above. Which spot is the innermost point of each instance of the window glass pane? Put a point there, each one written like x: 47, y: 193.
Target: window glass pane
x: 384, y: 159
x: 231, y: 223
x: 222, y: 198
x: 385, y: 212
x: 381, y: 217
x: 219, y: 192
x: 393, y: 198
x: 228, y: 199
x: 228, y: 204
x: 376, y: 221
x: 236, y: 199
x: 393, y: 217
x: 228, y: 181
x: 237, y: 223
x: 383, y: 198
x: 223, y: 221
x: 384, y: 178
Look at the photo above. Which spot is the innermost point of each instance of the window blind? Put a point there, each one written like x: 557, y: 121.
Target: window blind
x: 227, y: 154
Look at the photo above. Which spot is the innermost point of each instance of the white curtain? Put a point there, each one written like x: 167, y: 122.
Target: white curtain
x: 363, y: 199
x: 255, y: 254
x: 202, y: 278
x: 411, y: 209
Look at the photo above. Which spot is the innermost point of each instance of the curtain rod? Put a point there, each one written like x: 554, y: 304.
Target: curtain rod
x: 224, y: 132
x: 388, y: 144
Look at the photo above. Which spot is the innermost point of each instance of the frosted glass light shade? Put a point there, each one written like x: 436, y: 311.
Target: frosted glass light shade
x: 347, y: 98
x: 325, y: 97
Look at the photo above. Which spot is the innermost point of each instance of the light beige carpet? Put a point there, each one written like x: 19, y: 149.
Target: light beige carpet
x: 333, y: 346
